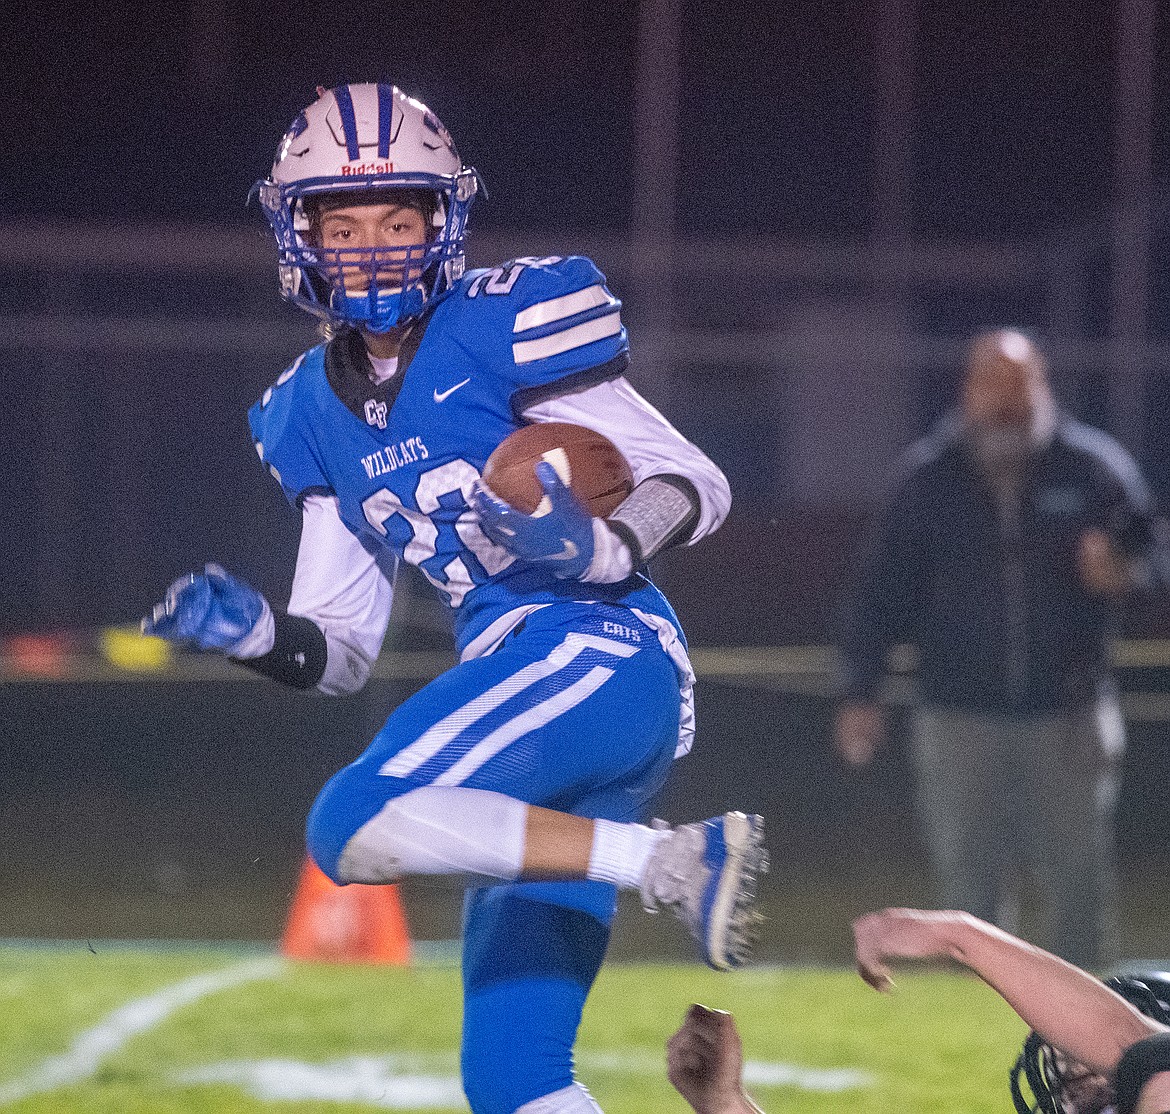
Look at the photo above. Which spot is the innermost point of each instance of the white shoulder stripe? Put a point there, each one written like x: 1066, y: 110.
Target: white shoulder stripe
x: 289, y: 372
x: 525, y: 351
x: 565, y: 306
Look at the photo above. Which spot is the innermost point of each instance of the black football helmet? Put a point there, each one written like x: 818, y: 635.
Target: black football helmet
x: 1062, y: 1086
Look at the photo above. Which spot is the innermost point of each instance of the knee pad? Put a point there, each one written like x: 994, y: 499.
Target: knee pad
x: 366, y: 827
x: 347, y: 801
x: 438, y: 830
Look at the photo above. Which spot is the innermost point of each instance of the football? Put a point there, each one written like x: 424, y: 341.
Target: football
x: 590, y: 464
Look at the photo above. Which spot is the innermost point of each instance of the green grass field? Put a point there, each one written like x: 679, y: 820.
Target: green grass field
x: 149, y: 1031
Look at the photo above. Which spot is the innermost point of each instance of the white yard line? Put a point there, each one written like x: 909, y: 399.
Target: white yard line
x: 825, y: 1080
x: 755, y: 1072
x: 390, y: 1083
x: 127, y: 1022
x: 429, y: 1080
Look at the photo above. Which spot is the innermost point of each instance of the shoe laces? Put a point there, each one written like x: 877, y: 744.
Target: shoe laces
x: 670, y: 880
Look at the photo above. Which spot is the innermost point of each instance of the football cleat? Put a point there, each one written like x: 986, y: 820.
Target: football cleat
x: 706, y: 874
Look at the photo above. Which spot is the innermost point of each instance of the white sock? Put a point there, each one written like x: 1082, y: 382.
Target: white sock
x: 439, y: 830
x: 573, y: 1099
x: 620, y: 852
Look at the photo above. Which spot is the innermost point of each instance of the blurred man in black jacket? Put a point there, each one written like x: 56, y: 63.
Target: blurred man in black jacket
x: 1009, y: 538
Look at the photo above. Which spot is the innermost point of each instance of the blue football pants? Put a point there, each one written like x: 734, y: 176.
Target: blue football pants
x: 578, y: 710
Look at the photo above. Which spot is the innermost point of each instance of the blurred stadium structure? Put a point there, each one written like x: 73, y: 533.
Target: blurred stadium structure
x: 132, y: 353
x: 802, y: 361
x: 173, y: 807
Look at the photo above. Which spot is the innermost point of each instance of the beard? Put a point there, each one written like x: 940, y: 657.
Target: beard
x: 1000, y: 450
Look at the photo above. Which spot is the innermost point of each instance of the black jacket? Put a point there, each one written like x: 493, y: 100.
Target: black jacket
x: 1000, y: 618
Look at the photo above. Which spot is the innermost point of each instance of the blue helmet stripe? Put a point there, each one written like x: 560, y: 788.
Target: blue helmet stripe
x: 385, y: 119
x: 348, y: 121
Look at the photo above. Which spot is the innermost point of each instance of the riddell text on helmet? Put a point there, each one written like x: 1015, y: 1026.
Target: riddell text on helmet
x: 367, y: 168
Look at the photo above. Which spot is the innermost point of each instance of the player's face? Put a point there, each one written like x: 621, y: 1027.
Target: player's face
x: 1085, y: 1093
x: 389, y: 229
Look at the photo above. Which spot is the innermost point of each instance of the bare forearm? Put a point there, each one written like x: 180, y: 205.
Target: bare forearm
x: 742, y: 1104
x: 1069, y: 1008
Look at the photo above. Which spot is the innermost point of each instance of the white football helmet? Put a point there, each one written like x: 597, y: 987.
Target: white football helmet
x: 359, y: 138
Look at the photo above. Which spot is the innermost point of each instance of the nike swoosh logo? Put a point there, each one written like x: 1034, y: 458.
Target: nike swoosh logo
x: 441, y: 396
x: 566, y: 554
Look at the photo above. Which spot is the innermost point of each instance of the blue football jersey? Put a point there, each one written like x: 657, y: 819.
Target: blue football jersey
x: 401, y: 457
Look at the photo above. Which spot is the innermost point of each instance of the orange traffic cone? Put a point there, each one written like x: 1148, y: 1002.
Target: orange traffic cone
x: 345, y: 924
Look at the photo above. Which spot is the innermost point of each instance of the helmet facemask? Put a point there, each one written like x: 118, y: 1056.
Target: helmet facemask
x: 376, y: 289
x: 1059, y: 1085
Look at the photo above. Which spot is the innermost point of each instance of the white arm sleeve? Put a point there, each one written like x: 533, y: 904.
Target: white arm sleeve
x: 651, y: 445
x: 345, y: 590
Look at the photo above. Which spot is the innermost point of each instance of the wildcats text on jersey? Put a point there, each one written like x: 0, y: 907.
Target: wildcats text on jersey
x: 394, y: 456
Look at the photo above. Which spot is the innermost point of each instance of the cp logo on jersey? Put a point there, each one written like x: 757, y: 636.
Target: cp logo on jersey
x: 376, y: 413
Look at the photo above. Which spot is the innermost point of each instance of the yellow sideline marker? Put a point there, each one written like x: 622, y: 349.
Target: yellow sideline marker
x: 127, y: 648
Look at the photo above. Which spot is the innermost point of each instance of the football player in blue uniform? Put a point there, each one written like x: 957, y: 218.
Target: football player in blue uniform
x: 530, y: 765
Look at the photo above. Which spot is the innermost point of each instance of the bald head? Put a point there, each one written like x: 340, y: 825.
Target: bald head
x: 1006, y: 380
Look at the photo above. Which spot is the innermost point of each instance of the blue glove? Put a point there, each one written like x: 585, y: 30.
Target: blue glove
x: 561, y: 539
x: 208, y: 610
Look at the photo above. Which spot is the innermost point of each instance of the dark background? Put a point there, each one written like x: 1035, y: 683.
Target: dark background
x: 140, y: 318
x: 172, y: 110
x: 139, y: 304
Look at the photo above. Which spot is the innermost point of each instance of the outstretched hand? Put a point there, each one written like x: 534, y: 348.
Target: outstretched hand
x: 1104, y: 570
x: 899, y: 934
x: 208, y: 610
x: 560, y: 537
